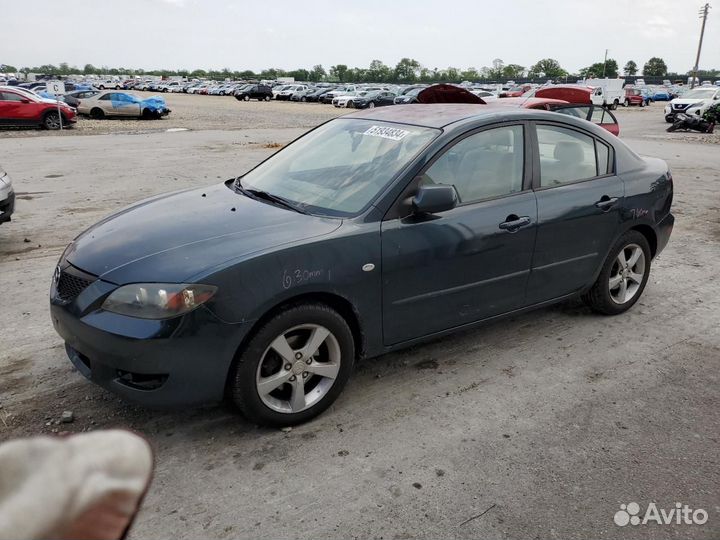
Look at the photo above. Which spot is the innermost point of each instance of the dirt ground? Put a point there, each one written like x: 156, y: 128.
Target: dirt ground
x: 547, y: 422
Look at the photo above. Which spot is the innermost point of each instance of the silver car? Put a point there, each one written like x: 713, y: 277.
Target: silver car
x: 7, y: 197
x: 112, y: 103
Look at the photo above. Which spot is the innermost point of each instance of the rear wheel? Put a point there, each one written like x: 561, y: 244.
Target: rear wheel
x: 614, y: 105
x: 642, y: 103
x: 246, y: 97
x: 626, y: 103
x: 294, y: 367
x: 267, y: 98
x: 51, y: 120
x: 371, y: 105
x: 97, y: 113
x: 623, y: 277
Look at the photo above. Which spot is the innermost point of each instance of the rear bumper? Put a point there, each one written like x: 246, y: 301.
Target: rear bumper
x: 158, y: 364
x: 664, y: 230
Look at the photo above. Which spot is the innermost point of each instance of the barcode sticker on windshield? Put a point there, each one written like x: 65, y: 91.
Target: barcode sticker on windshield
x: 394, y: 134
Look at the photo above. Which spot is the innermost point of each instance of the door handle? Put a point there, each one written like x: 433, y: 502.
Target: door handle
x: 606, y: 203
x: 512, y: 223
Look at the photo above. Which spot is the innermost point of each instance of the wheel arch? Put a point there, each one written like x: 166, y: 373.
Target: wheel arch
x: 649, y: 233
x: 339, y: 303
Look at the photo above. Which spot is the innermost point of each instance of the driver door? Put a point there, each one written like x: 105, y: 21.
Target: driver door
x: 471, y: 262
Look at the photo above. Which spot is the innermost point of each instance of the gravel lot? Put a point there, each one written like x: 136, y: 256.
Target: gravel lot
x: 549, y: 421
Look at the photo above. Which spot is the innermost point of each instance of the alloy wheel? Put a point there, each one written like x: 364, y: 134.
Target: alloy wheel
x: 627, y: 274
x: 298, y: 368
x: 52, y: 121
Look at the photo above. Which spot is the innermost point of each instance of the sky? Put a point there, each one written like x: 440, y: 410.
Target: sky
x: 241, y: 34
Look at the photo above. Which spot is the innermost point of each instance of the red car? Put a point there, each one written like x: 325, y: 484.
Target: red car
x: 634, y: 96
x: 571, y: 100
x: 23, y: 108
x: 515, y: 91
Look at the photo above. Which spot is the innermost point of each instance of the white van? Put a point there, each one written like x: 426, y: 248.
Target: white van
x: 608, y: 92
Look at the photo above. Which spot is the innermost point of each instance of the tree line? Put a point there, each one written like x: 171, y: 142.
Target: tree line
x: 407, y: 70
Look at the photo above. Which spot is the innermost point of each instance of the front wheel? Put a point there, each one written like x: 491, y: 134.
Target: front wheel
x: 267, y: 98
x: 623, y: 277
x: 246, y: 97
x: 614, y: 105
x: 626, y: 103
x: 294, y: 367
x: 51, y: 121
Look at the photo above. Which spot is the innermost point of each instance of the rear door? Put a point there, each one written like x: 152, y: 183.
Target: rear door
x: 579, y: 200
x: 469, y: 263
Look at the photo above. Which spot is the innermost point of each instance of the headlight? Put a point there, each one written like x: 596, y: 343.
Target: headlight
x: 157, y: 300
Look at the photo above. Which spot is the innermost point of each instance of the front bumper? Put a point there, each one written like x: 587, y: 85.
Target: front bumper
x: 7, y: 207
x: 159, y: 364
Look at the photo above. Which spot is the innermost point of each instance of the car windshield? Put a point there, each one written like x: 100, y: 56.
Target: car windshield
x: 700, y: 93
x: 340, y: 167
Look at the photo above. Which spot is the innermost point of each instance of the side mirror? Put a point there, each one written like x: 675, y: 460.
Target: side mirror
x: 435, y: 198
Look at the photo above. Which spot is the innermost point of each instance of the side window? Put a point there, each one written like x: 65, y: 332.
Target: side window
x: 565, y: 156
x: 106, y: 97
x: 483, y: 165
x: 603, y: 158
x: 601, y: 116
x: 10, y: 96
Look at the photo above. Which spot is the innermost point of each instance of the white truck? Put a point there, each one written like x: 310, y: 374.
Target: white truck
x: 608, y: 92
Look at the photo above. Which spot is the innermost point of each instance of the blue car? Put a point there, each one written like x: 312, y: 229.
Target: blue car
x: 661, y: 95
x: 372, y: 232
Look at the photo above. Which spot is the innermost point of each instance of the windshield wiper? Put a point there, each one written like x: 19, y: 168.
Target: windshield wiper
x: 260, y: 194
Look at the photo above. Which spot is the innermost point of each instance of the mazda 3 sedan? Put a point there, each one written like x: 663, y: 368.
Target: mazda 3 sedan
x: 369, y: 233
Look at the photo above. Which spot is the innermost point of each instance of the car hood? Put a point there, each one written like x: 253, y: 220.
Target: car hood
x: 681, y: 101
x: 176, y: 237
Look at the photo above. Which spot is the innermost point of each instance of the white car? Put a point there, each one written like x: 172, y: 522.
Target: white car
x: 345, y: 100
x: 170, y: 86
x: 107, y: 83
x: 694, y: 102
x: 289, y: 90
x: 486, y: 96
x: 7, y: 197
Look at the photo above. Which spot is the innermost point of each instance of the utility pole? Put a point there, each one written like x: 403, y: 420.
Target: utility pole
x: 703, y: 15
x: 605, y: 63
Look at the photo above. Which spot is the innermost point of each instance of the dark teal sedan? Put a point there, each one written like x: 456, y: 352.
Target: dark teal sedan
x: 370, y: 233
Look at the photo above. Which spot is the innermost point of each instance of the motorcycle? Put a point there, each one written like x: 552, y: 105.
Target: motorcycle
x: 686, y: 122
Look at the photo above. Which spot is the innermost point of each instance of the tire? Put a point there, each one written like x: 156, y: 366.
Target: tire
x: 51, y: 120
x: 626, y: 103
x: 246, y: 97
x: 147, y: 114
x: 617, y: 289
x: 669, y: 119
x: 371, y: 105
x: 293, y: 329
x: 303, y: 99
x: 642, y: 103
x: 614, y: 106
x: 97, y: 113
x: 101, y: 87
x: 349, y: 104
x: 267, y: 98
x: 117, y: 87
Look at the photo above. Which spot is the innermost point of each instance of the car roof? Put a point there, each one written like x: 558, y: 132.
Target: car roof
x: 432, y: 115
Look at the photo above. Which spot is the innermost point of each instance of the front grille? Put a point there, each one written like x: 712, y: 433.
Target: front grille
x: 69, y: 286
x: 680, y: 106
